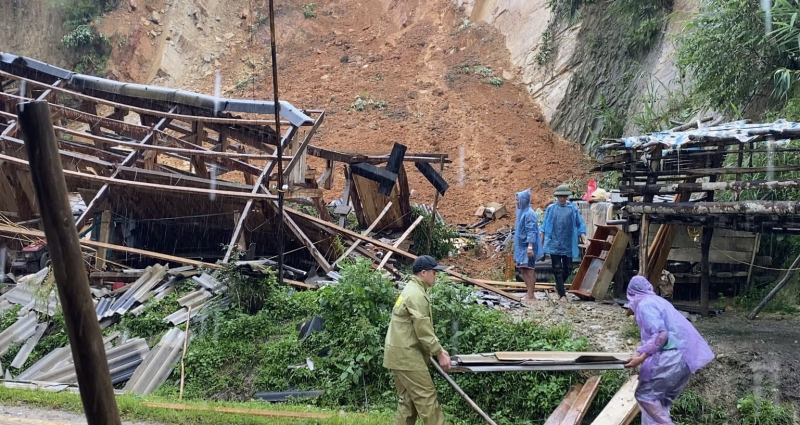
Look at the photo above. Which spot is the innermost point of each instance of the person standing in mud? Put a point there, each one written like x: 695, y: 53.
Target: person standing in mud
x: 561, y: 229
x: 526, y: 242
x: 671, y: 351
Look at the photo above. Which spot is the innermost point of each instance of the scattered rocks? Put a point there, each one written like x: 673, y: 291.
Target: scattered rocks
x: 155, y: 17
x: 132, y: 6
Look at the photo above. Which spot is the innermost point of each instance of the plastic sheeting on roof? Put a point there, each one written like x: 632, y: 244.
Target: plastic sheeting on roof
x: 165, y: 94
x: 739, y: 130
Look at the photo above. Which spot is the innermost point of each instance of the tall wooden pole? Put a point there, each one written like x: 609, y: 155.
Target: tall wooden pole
x: 433, y: 210
x: 86, y: 342
x: 281, y: 188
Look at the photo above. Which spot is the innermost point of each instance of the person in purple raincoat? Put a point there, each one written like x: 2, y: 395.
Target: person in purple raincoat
x: 672, y: 350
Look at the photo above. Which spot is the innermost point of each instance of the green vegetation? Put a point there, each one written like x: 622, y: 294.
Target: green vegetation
x: 545, y: 48
x: 691, y: 408
x: 235, y: 354
x: 643, y: 20
x: 364, y: 102
x: 761, y: 411
x: 631, y: 330
x: 436, y: 242
x: 90, y: 48
x: 132, y: 408
x: 310, y: 10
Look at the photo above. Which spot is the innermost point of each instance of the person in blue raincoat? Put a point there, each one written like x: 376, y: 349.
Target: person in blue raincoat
x: 561, y: 229
x: 527, y: 247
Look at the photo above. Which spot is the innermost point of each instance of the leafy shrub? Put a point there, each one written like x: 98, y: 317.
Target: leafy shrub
x: 545, y: 48
x: 495, y: 81
x: 91, y: 48
x: 150, y: 322
x: 761, y: 411
x: 9, y: 317
x: 437, y: 243
x: 310, y: 10
x: 727, y: 54
x: 235, y: 354
x: 363, y: 102
x: 691, y: 408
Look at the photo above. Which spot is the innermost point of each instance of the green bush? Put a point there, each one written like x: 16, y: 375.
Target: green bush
x: 310, y: 11
x: 235, y: 354
x: 691, y: 408
x: 438, y: 243
x: 90, y: 48
x: 761, y: 411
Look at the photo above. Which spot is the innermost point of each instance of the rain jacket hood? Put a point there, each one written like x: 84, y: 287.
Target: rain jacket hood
x: 655, y: 315
x: 526, y: 229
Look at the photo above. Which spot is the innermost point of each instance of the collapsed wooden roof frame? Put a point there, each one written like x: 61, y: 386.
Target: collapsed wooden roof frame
x: 669, y: 163
x: 165, y: 125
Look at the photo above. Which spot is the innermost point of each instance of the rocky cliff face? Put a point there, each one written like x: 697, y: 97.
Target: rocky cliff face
x: 583, y: 76
x: 32, y: 28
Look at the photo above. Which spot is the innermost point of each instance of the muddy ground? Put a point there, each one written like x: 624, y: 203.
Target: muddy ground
x: 20, y: 415
x: 759, y: 356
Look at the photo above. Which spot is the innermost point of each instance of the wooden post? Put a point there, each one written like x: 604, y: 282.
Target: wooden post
x: 756, y: 245
x: 365, y: 233
x: 348, y: 189
x: 105, y: 224
x: 86, y: 342
x: 789, y: 274
x: 644, y: 235
x: 399, y: 241
x: 433, y: 212
x: 705, y: 265
x: 461, y: 392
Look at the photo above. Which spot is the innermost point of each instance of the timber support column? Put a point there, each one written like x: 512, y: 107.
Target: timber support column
x: 86, y: 342
x: 705, y: 265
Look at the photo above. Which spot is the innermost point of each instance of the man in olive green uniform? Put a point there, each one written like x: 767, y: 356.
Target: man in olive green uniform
x: 409, y: 344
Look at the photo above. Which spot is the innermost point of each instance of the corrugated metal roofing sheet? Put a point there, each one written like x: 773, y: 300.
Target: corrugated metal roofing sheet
x: 120, y: 359
x: 195, y: 298
x: 27, y: 348
x: 209, y: 283
x: 157, y: 365
x: 21, y: 330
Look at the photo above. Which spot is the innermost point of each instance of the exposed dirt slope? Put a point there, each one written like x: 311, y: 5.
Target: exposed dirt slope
x: 408, y: 54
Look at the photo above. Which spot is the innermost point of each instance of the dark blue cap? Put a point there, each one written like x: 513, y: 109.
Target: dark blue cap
x: 426, y: 262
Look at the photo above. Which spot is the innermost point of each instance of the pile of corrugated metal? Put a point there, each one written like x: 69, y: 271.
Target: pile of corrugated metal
x: 129, y: 359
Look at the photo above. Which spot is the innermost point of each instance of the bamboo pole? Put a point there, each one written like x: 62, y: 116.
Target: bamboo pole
x: 779, y: 208
x: 789, y: 274
x: 461, y: 392
x: 86, y: 342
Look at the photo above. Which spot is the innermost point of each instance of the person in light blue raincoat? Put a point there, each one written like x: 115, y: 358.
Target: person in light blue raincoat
x: 561, y: 229
x: 527, y: 244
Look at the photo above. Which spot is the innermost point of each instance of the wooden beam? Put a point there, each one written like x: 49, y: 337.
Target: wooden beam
x: 347, y: 232
x: 129, y: 160
x: 105, y: 224
x: 300, y: 151
x: 12, y: 231
x: 11, y: 130
x: 365, y: 233
x: 778, y: 208
x: 581, y: 405
x: 251, y: 412
x: 86, y: 342
x: 668, y: 189
x: 623, y: 408
x: 111, y: 181
x: 561, y: 411
x: 400, y: 241
x: 246, y: 211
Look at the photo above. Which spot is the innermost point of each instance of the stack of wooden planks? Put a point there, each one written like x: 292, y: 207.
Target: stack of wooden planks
x: 621, y: 410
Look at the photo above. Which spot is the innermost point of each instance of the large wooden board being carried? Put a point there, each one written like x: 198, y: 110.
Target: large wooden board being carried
x: 728, y: 246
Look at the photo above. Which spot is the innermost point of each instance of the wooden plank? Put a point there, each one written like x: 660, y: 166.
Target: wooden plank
x: 365, y: 233
x: 563, y: 408
x: 111, y: 181
x: 622, y: 409
x: 581, y: 405
x: 347, y: 232
x: 252, y: 412
x: 129, y: 160
x: 7, y: 230
x: 400, y: 241
x: 105, y: 224
x: 256, y: 186
x: 372, y: 203
x: 299, y: 153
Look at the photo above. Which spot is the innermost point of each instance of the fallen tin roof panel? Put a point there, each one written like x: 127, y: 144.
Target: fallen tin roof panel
x: 182, y: 315
x: 157, y: 365
x: 21, y: 330
x: 120, y: 358
x: 27, y: 348
x: 209, y: 282
x: 195, y: 298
